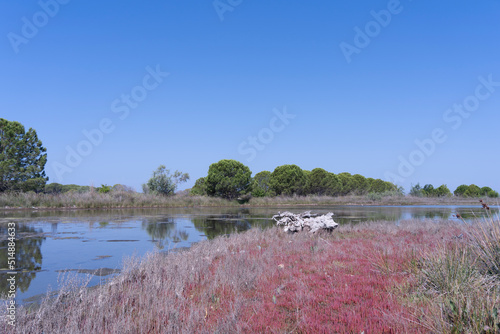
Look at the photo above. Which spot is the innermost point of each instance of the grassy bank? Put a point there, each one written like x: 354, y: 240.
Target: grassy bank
x: 123, y: 199
x: 415, y: 277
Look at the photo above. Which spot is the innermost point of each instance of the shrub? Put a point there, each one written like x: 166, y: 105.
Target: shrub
x: 103, y: 189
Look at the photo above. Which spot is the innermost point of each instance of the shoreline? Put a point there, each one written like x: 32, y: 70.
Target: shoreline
x: 269, y: 205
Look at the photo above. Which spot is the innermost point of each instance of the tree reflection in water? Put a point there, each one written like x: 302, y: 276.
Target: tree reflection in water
x: 213, y: 226
x: 28, y: 256
x: 162, y: 230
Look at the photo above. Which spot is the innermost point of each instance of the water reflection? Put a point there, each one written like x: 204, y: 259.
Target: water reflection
x: 28, y: 256
x: 213, y: 226
x: 161, y: 230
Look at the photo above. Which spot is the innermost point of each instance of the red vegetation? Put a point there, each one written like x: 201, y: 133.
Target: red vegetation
x: 326, y: 285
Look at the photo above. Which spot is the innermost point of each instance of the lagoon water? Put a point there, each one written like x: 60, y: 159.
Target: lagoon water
x: 53, y: 246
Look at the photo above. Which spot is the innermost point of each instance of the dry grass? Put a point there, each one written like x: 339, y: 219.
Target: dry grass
x: 460, y: 280
x: 115, y: 199
x: 123, y: 199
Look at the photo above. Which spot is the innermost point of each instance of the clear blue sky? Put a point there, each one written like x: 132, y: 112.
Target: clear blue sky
x: 360, y: 100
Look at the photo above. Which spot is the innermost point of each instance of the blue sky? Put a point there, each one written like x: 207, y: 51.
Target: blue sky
x: 73, y: 66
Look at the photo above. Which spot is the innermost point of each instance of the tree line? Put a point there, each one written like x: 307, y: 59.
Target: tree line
x: 463, y: 190
x: 23, y: 159
x: 231, y: 179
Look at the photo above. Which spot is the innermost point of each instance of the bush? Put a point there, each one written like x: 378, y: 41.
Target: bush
x: 122, y: 188
x: 104, y: 189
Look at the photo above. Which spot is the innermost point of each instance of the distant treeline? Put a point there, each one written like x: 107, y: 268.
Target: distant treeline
x: 231, y: 179
x: 462, y: 191
x: 57, y: 188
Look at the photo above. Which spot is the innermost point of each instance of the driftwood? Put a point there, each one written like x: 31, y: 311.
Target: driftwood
x: 297, y: 222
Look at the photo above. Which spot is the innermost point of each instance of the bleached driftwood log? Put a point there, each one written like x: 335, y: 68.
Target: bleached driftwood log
x: 297, y: 222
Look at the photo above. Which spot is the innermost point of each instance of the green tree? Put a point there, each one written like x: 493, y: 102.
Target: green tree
x: 442, y: 191
x: 380, y: 186
x: 334, y: 185
x: 288, y: 180
x: 322, y: 182
x: 199, y: 188
x: 473, y: 191
x: 416, y: 190
x: 307, y: 182
x: 103, y: 189
x: 228, y: 179
x: 461, y: 190
x: 53, y: 188
x: 428, y: 190
x: 493, y: 194
x: 360, y: 184
x: 261, y: 184
x: 164, y: 183
x: 317, y: 182
x: 485, y: 190
x: 22, y: 158
x: 347, y: 183
x: 369, y: 182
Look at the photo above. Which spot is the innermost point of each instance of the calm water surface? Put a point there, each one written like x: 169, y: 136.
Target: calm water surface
x: 52, y: 246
